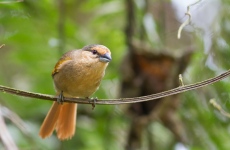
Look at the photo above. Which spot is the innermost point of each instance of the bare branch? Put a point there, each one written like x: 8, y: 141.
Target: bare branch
x: 5, y: 136
x: 219, y: 108
x: 2, y: 45
x: 12, y: 116
x: 188, y: 20
x: 174, y: 91
x: 181, y: 80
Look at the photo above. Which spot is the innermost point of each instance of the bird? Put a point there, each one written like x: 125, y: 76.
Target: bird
x: 77, y: 74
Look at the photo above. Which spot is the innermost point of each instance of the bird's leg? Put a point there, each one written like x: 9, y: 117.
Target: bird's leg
x: 60, y: 98
x: 92, y: 100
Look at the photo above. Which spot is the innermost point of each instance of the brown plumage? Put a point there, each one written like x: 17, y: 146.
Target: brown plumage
x: 77, y: 74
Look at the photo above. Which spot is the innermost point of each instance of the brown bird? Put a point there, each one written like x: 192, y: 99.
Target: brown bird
x: 78, y: 73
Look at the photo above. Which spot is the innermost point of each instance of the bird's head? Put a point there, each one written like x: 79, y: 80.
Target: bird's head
x: 99, y: 52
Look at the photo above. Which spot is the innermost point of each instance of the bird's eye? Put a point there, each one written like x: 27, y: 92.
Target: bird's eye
x: 94, y: 52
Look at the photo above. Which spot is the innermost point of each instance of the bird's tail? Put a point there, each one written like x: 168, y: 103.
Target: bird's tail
x: 66, y: 121
x: 62, y: 118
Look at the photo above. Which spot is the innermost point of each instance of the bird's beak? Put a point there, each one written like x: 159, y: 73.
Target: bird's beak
x: 105, y: 58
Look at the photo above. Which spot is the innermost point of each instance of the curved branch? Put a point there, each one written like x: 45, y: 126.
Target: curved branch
x: 174, y: 91
x: 219, y: 108
x: 188, y: 20
x: 2, y: 45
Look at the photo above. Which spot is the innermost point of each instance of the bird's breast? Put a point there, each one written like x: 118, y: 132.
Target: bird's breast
x: 79, y: 79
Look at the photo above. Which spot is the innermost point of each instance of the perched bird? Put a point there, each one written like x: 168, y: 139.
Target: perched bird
x: 78, y: 73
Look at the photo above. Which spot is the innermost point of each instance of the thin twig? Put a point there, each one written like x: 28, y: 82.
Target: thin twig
x: 5, y: 136
x: 219, y: 108
x: 181, y: 80
x: 187, y: 21
x: 7, y: 113
x: 2, y: 45
x: 174, y: 91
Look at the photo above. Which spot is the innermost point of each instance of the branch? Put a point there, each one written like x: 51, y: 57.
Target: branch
x: 5, y: 136
x: 174, y: 91
x: 188, y: 20
x: 219, y: 108
x: 2, y: 45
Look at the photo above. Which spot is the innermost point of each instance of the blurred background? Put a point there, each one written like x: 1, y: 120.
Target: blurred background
x: 147, y: 59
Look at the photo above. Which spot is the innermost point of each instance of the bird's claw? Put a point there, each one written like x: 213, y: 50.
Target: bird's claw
x: 94, y: 102
x: 60, y: 98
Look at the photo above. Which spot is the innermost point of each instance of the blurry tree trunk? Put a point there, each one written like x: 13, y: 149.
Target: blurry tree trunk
x: 148, y: 69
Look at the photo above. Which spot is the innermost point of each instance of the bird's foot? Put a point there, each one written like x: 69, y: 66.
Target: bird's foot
x: 60, y: 98
x: 94, y: 102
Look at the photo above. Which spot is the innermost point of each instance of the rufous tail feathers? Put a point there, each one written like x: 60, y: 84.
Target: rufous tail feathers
x: 66, y: 121
x: 61, y: 117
